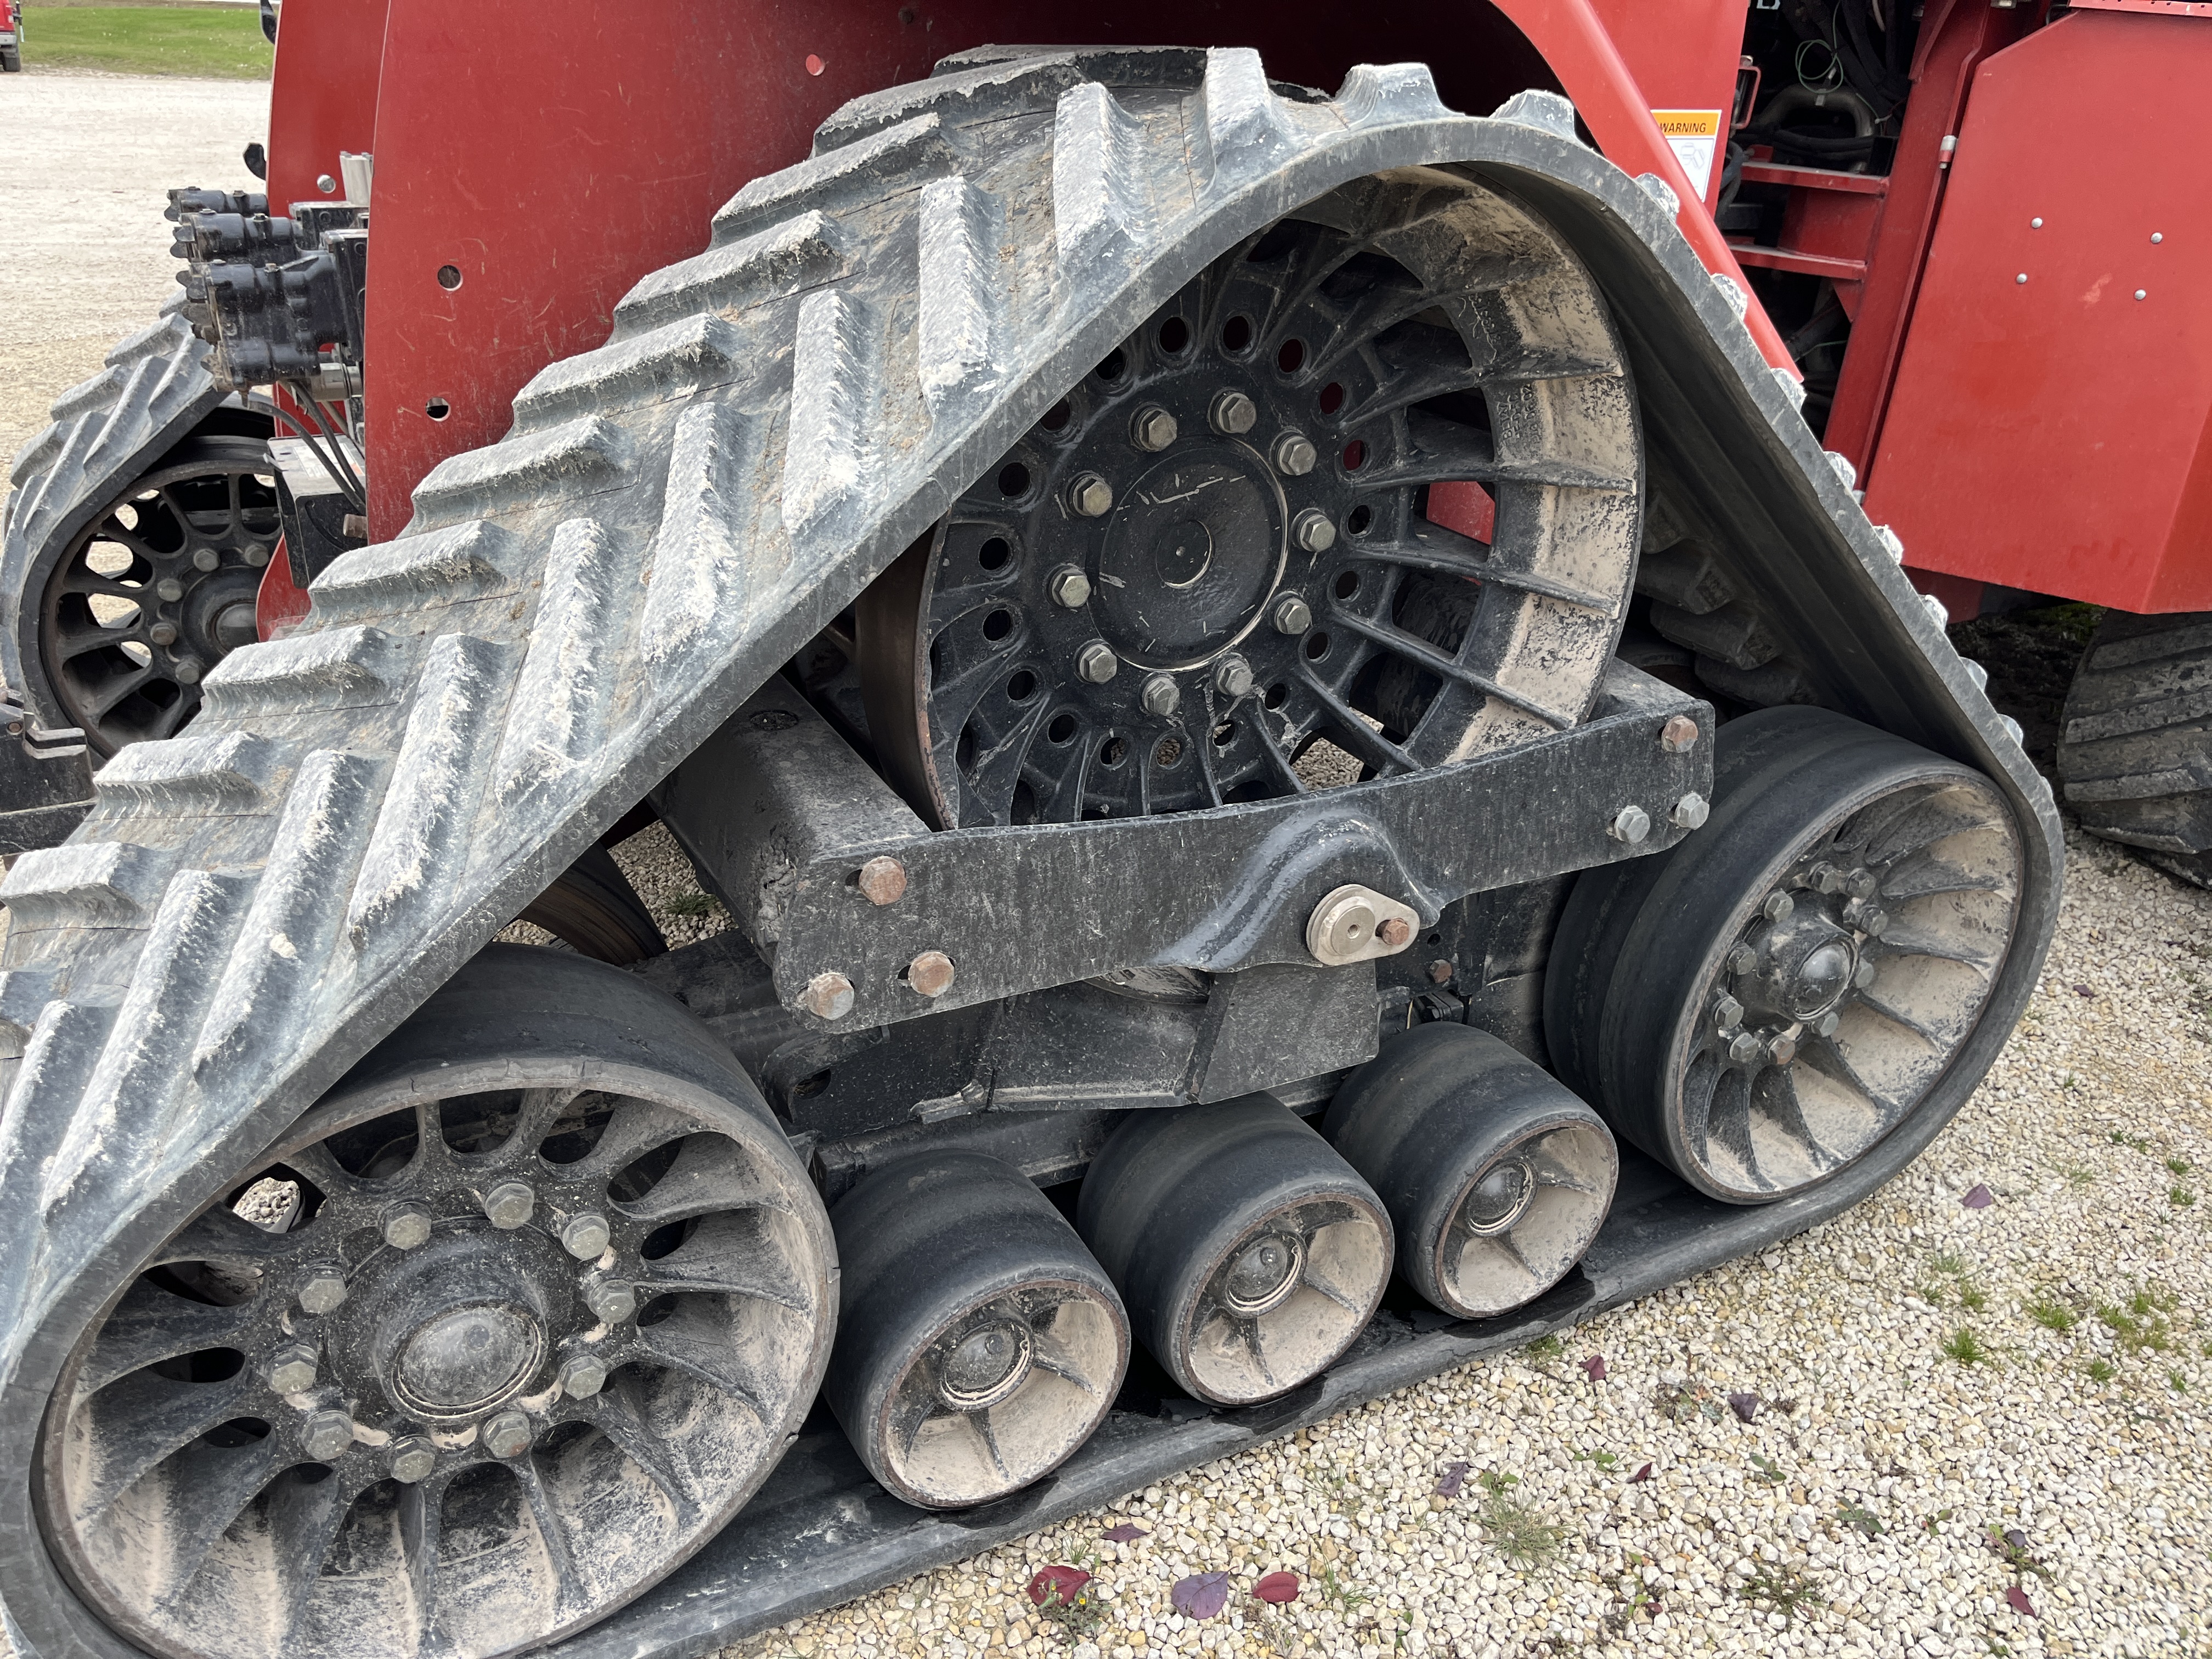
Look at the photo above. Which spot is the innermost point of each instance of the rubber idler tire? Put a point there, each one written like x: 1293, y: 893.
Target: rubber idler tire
x: 2135, y: 749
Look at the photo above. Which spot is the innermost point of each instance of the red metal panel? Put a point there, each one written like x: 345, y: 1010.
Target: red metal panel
x: 322, y: 97
x: 2055, y: 434
x: 1684, y: 55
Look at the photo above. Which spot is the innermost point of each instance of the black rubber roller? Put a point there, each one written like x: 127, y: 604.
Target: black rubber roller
x: 1250, y: 1254
x: 1497, y: 1176
x: 979, y: 1344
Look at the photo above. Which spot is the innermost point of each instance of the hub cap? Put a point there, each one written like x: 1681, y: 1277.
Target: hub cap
x: 1285, y: 1298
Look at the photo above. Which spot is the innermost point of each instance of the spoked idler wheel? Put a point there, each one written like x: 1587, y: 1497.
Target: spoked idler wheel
x: 498, y: 1334
x: 1760, y: 1006
x: 979, y: 1344
x: 1250, y: 1254
x: 1498, y: 1177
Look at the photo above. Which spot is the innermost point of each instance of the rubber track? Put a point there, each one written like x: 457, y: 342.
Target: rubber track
x: 153, y: 390
x: 2134, y: 752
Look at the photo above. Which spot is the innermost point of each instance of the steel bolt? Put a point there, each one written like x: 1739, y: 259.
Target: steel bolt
x: 326, y: 1434
x: 1779, y: 907
x: 1871, y: 920
x: 187, y: 670
x: 1232, y: 677
x: 1824, y: 878
x: 827, y: 996
x: 1292, y: 615
x: 1069, y: 587
x: 586, y: 1236
x: 1743, y: 959
x: 1091, y: 496
x: 1097, y: 662
x: 1827, y: 1023
x: 206, y: 558
x: 882, y: 880
x: 507, y: 1435
x: 1744, y: 1047
x: 1631, y: 824
x: 2142, y: 293
x: 325, y: 184
x: 1161, y: 697
x: 323, y: 1290
x: 1781, y: 1049
x: 610, y: 1300
x: 162, y: 633
x: 412, y: 1458
x: 406, y: 1227
x: 1441, y: 972
x: 930, y: 974
x: 1395, y: 931
x: 1232, y: 413
x: 170, y: 590
x: 1314, y: 529
x: 1678, y: 735
x: 582, y: 1376
x: 1864, y: 977
x: 1691, y: 811
x: 292, y: 1370
x: 1861, y: 883
x: 1151, y: 429
x: 1293, y: 454
x: 257, y: 553
x: 509, y: 1204
x: 1727, y: 1014
x: 2021, y: 278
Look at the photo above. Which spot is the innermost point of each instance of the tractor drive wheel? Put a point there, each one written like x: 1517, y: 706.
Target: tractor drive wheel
x: 2134, y: 750
x: 154, y: 591
x: 1760, y: 1006
x: 495, y: 1337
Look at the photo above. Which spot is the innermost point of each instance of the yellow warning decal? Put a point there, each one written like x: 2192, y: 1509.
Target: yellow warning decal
x: 1694, y: 136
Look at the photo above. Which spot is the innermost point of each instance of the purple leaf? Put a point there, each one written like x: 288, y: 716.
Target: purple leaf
x: 1744, y: 1406
x: 2083, y: 991
x: 2017, y: 1539
x: 1978, y: 1197
x: 1057, y: 1585
x: 1594, y: 1367
x: 1125, y: 1532
x: 1643, y: 1473
x: 1455, y: 1477
x: 1201, y: 1596
x: 1277, y: 1588
x: 2017, y: 1598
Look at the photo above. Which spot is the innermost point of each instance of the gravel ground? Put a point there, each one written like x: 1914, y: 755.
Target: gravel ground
x: 1952, y: 1403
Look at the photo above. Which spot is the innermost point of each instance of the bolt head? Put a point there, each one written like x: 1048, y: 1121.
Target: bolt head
x: 1347, y: 931
x: 1161, y: 697
x: 1091, y: 496
x: 1292, y: 615
x: 1069, y: 587
x: 1293, y: 454
x: 1727, y: 1014
x: 1743, y: 959
x: 507, y: 1434
x: 1781, y: 1050
x: 1313, y: 530
x: 162, y: 633
x: 257, y: 553
x: 930, y: 974
x: 1097, y: 662
x: 1678, y: 735
x: 582, y: 1376
x: 1746, y: 1049
x: 509, y: 1204
x: 327, y: 1436
x: 1824, y: 877
x: 1691, y: 811
x: 170, y: 589
x: 292, y: 1370
x: 882, y: 881
x: 412, y: 1457
x: 1827, y: 1023
x: 1779, y: 907
x: 610, y: 1300
x: 1395, y: 931
x: 1232, y: 677
x: 586, y: 1236
x: 1441, y: 971
x: 1874, y: 922
x: 1151, y: 429
x: 323, y: 1290
x: 406, y: 1227
x: 1865, y: 975
x: 1630, y: 824
x: 206, y: 558
x: 1861, y: 884
x: 1232, y: 414
x: 827, y: 996
x: 187, y: 671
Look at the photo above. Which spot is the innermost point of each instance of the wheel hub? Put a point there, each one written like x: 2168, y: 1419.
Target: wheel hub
x: 1264, y: 1274
x: 1500, y: 1197
x: 457, y: 1327
x: 1189, y: 560
x: 1805, y: 969
x: 986, y: 1365
x: 467, y: 1358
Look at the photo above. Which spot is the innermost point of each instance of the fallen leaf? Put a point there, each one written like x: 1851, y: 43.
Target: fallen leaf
x: 1057, y: 1584
x: 1744, y: 1406
x: 1277, y: 1588
x: 2084, y: 991
x: 2018, y: 1599
x: 1978, y: 1197
x: 1643, y: 1473
x: 1125, y: 1532
x: 1455, y: 1477
x: 1594, y: 1367
x: 2016, y: 1538
x: 1201, y: 1596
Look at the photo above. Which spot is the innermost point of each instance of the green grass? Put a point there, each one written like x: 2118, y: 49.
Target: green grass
x: 2053, y: 1314
x: 221, y: 43
x: 1963, y: 1346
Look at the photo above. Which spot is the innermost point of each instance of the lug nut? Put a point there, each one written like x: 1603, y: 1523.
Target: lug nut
x: 1861, y: 883
x: 1293, y: 454
x: 325, y: 1435
x: 186, y: 672
x: 1678, y: 735
x: 1440, y: 972
x: 1395, y: 931
x: 585, y: 1236
x: 1232, y: 677
x: 507, y: 1435
x: 406, y: 1227
x: 882, y: 881
x: 1871, y: 920
x: 292, y: 1370
x: 1727, y: 1014
x: 1691, y: 811
x: 323, y: 1290
x: 1069, y: 587
x: 610, y: 1300
x: 1630, y: 824
x: 1823, y: 878
x: 206, y: 558
x: 1779, y: 907
x: 509, y: 1204
x: 257, y: 553
x: 827, y: 996
x: 1864, y: 977
x: 1292, y: 615
x: 1314, y: 529
x: 1097, y: 662
x: 930, y: 974
x: 1091, y: 496
x: 1743, y: 959
x: 1781, y: 1049
x: 1744, y: 1048
x: 162, y: 633
x: 1151, y: 429
x: 581, y: 1376
x: 412, y: 1458
x: 1232, y: 414
x: 1828, y: 1022
x: 1161, y: 697
x: 169, y: 589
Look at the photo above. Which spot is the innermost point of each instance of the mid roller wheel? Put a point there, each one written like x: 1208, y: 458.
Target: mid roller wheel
x: 495, y: 1337
x: 1760, y: 1006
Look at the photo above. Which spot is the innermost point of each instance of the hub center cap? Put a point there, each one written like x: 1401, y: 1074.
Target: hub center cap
x: 1499, y: 1198
x: 1194, y: 551
x: 985, y: 1367
x: 1264, y: 1274
x: 1806, y: 967
x: 1182, y: 552
x: 466, y: 1359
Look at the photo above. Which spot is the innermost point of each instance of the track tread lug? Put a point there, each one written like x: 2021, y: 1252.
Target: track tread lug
x: 92, y: 883
x: 1101, y: 208
x: 585, y: 455
x: 567, y: 679
x: 902, y: 155
x: 966, y: 315
x: 829, y: 462
x: 668, y: 362
x: 470, y: 560
x: 232, y: 770
x: 804, y: 252
x: 338, y: 668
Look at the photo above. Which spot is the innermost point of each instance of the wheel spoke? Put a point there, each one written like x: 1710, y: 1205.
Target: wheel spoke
x: 1414, y: 648
x: 143, y: 1420
x: 1874, y: 1004
x: 688, y: 1343
x: 1826, y: 1056
x: 1506, y: 1246
x: 1446, y: 552
x: 1060, y: 1365
x: 1898, y: 941
x: 1550, y: 1172
x: 727, y: 1255
x: 1446, y: 452
x: 1314, y: 1280
x: 114, y: 691
x: 614, y: 1413
x: 710, y: 1173
x: 1780, y: 1099
x: 1354, y: 734
x: 212, y: 1487
x: 322, y: 1170
x: 636, y: 1127
x: 980, y: 1425
x: 1255, y: 1345
x: 304, y: 1518
x: 421, y: 1525
x: 221, y: 1235
x: 151, y: 1324
x: 573, y: 1595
